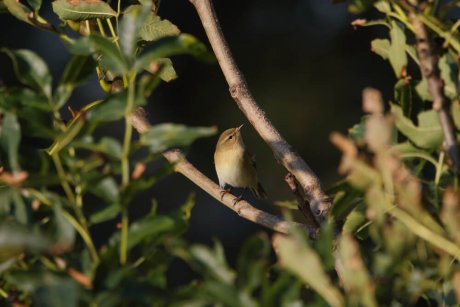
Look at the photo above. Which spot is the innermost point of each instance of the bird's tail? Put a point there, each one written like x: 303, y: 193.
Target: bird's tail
x: 259, y: 191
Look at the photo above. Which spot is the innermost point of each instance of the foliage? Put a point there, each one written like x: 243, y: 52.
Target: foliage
x: 398, y: 203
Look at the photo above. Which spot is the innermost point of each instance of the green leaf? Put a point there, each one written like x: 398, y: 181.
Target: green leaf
x: 298, y: 258
x: 105, y: 214
x: 163, y: 136
x: 449, y: 74
x: 78, y: 10
x: 112, y: 108
x: 422, y: 90
x: 66, y: 137
x: 163, y: 67
x: 48, y: 289
x: 107, y: 189
x: 382, y: 6
x: 149, y: 228
x: 397, y: 52
x: 31, y: 70
x: 10, y: 136
x: 427, y: 134
x: 213, y: 262
x: 77, y: 71
x: 353, y: 273
x: 252, y: 262
x: 111, y: 57
x: 18, y: 10
x: 108, y: 146
x: 15, y: 239
x: 64, y: 235
x: 381, y: 47
x: 359, y: 6
x: 155, y: 28
x: 130, y: 25
x: 405, y: 95
x: 35, y: 4
x: 169, y: 46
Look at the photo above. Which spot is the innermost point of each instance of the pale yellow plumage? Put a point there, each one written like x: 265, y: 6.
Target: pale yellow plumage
x: 234, y: 165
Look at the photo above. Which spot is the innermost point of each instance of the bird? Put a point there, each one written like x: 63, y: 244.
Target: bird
x: 235, y: 166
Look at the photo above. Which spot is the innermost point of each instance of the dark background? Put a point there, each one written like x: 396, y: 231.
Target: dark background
x: 304, y: 63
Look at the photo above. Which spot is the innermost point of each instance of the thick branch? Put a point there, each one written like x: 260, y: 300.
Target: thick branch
x: 284, y: 153
x: 429, y: 66
x: 243, y: 208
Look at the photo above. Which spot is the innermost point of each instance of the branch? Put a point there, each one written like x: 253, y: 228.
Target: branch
x: 243, y: 208
x: 441, y: 104
x: 301, y: 203
x: 283, y: 152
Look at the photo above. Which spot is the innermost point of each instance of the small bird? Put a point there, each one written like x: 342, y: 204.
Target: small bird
x: 235, y: 166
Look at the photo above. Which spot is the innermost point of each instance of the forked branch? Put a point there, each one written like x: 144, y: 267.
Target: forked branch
x: 441, y: 104
x: 283, y: 152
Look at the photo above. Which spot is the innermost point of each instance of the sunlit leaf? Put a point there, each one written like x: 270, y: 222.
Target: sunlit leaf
x: 299, y: 259
x: 71, y: 131
x: 397, y: 52
x: 18, y: 10
x: 155, y: 28
x: 78, y: 10
x: 427, y: 134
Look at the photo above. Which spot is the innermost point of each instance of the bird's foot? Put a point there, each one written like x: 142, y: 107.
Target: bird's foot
x: 237, y: 199
x: 223, y: 192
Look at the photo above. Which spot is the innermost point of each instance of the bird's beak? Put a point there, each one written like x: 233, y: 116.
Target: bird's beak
x: 239, y: 128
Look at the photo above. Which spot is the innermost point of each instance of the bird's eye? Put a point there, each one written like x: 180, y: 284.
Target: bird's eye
x: 230, y: 137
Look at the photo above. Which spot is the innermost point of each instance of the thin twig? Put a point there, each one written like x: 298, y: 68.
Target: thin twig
x: 243, y: 208
x: 283, y: 152
x: 301, y: 203
x: 441, y: 104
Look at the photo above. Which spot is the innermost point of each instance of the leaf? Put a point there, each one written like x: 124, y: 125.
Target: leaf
x: 169, y: 46
x: 353, y: 273
x: 18, y: 10
x: 66, y: 137
x: 163, y: 136
x: 422, y: 90
x: 10, y: 136
x: 112, y: 108
x: 131, y: 23
x: 35, y: 4
x: 427, y: 134
x: 78, y: 10
x: 77, y: 71
x: 449, y: 74
x: 149, y: 228
x: 382, y: 6
x: 298, y: 258
x: 397, y: 52
x: 155, y: 28
x: 108, y: 146
x: 163, y: 67
x: 253, y: 261
x: 105, y: 214
x: 107, y: 189
x: 48, y: 289
x: 213, y: 262
x: 381, y: 47
x: 64, y: 236
x: 111, y: 57
x: 15, y: 239
x: 359, y: 6
x: 31, y: 70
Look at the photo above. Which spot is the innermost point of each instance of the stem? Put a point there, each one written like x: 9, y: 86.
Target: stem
x: 439, y: 168
x: 101, y: 27
x: 125, y: 165
x: 63, y: 177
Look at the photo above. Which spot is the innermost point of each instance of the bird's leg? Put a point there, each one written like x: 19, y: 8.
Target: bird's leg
x: 225, y: 191
x: 237, y: 199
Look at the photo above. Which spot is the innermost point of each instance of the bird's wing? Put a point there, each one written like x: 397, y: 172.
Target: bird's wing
x: 251, y: 158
